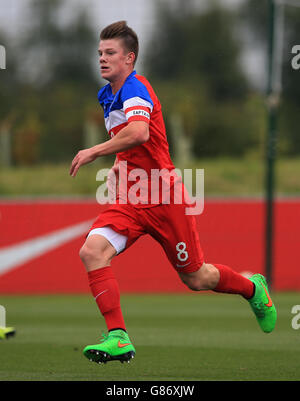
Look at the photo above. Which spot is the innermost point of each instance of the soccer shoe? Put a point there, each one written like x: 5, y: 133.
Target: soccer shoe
x: 262, y: 304
x: 6, y: 332
x: 116, y: 346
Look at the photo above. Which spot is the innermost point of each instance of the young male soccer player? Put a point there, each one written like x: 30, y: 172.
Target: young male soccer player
x: 134, y: 121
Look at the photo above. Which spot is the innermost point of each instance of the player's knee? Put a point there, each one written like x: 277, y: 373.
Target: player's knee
x: 90, y: 256
x: 192, y: 281
x: 206, y: 278
x: 85, y: 254
x: 195, y: 285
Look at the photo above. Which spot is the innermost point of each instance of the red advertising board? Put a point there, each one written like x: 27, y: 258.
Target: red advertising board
x: 40, y: 241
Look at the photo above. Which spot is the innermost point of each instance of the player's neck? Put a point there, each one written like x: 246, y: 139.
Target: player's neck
x: 119, y: 82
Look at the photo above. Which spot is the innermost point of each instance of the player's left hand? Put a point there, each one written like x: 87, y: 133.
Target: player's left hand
x: 83, y: 157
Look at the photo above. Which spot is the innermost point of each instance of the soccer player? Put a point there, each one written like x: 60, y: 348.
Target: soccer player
x: 134, y: 122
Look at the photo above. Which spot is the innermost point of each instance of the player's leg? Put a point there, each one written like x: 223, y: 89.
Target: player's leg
x: 113, y: 231
x: 96, y: 255
x: 96, y: 252
x: 100, y: 247
x: 255, y: 289
x: 218, y: 278
x: 180, y: 240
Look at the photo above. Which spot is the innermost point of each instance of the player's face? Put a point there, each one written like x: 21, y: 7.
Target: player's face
x: 113, y: 58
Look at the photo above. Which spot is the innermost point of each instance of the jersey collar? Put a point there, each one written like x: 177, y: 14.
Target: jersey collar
x: 132, y: 74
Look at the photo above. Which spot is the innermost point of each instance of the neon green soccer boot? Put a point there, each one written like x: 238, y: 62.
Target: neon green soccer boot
x: 6, y: 332
x: 116, y: 346
x: 262, y: 304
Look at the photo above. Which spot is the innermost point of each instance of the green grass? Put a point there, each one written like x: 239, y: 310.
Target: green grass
x: 229, y: 177
x: 177, y: 337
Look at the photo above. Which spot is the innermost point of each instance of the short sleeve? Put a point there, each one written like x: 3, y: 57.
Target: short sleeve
x: 137, y: 102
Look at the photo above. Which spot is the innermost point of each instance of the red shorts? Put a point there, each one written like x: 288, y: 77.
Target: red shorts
x: 167, y: 224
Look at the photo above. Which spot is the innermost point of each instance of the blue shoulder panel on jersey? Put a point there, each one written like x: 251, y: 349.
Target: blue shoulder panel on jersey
x: 105, y: 98
x: 132, y: 88
x: 135, y: 88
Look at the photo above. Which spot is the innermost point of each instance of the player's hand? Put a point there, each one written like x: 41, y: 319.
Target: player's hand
x: 83, y: 157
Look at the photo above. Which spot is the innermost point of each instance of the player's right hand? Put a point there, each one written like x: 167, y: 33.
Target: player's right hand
x: 83, y: 157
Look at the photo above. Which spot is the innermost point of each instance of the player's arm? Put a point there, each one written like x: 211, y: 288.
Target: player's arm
x: 134, y: 134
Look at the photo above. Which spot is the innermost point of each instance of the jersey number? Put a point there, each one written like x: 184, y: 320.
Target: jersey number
x: 182, y: 254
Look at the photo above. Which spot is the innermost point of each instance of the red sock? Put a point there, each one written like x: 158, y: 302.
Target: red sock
x: 106, y: 292
x: 232, y: 282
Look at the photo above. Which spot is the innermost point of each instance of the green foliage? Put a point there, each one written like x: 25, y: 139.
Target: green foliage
x: 55, y: 83
x: 27, y: 141
x: 255, y: 14
x: 200, y: 79
x: 64, y: 125
x: 193, y: 63
x: 55, y: 52
x: 199, y: 48
x: 198, y: 62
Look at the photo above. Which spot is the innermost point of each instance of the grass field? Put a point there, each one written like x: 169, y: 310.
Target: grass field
x: 222, y: 176
x: 177, y: 337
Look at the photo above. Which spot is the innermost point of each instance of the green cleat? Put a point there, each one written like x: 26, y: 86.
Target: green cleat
x: 116, y: 346
x: 6, y: 332
x: 262, y: 304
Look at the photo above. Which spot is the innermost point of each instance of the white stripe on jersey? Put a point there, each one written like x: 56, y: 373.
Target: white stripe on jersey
x: 137, y: 112
x: 118, y: 117
x: 136, y: 101
x: 115, y: 118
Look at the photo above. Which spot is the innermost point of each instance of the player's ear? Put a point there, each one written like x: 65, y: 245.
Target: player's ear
x: 131, y: 58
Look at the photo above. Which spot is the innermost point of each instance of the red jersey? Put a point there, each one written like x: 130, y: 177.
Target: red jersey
x: 141, y: 166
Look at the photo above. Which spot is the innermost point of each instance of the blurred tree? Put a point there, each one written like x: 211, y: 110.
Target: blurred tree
x: 255, y: 13
x: 194, y: 57
x: 8, y: 94
x: 291, y: 83
x: 197, y: 47
x: 26, y: 141
x: 9, y: 84
x: 57, y: 52
x: 56, y: 77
